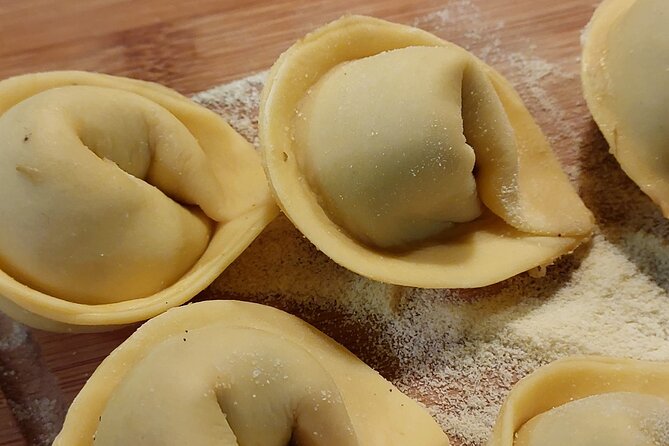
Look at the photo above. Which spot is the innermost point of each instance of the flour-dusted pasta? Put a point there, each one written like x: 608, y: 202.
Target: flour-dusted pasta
x: 588, y: 401
x: 408, y: 160
x: 119, y: 199
x: 625, y: 74
x: 228, y: 373
x: 609, y: 419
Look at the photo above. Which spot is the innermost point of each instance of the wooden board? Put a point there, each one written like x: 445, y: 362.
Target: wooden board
x: 193, y: 46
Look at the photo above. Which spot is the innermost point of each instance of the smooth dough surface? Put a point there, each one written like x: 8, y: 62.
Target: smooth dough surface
x: 609, y: 419
x: 626, y: 84
x: 118, y: 198
x: 395, y: 169
x: 408, y: 160
x: 588, y: 401
x: 228, y: 373
x: 91, y: 180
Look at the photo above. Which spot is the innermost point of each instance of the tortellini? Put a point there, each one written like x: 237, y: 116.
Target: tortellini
x: 625, y: 74
x: 228, y: 373
x: 588, y: 401
x: 406, y: 159
x: 120, y: 199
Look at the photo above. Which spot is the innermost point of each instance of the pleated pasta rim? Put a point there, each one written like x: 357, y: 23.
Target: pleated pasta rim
x: 574, y: 378
x: 228, y: 241
x: 489, y: 252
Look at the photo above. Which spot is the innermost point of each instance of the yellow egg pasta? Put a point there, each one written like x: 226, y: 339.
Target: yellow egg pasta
x: 588, y: 401
x: 408, y: 160
x: 625, y: 74
x: 120, y: 199
x: 228, y: 373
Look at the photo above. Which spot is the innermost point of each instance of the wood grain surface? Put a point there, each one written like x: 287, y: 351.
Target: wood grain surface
x: 192, y: 46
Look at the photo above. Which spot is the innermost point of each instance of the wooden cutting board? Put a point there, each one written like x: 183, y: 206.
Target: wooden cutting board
x: 193, y: 46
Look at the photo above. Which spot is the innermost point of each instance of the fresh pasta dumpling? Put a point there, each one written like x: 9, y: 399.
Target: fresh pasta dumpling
x: 120, y: 199
x: 229, y: 373
x: 588, y: 401
x: 406, y: 159
x: 625, y: 74
x: 609, y: 419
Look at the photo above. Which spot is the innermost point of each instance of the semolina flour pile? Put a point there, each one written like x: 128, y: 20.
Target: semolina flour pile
x: 460, y: 351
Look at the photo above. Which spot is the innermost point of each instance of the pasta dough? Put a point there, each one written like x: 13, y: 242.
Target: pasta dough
x: 113, y: 191
x: 406, y: 159
x: 609, y: 419
x: 427, y: 187
x: 227, y: 373
x: 588, y: 401
x: 625, y: 73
